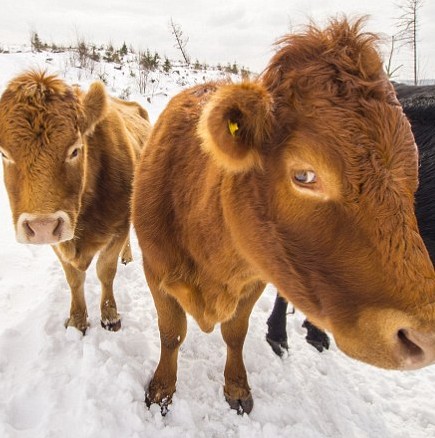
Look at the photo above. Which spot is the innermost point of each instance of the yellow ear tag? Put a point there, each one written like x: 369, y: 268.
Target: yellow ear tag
x: 233, y: 127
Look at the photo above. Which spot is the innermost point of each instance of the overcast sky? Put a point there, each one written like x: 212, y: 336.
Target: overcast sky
x: 219, y: 31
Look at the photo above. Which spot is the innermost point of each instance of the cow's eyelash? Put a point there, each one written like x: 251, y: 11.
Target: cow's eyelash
x: 5, y: 156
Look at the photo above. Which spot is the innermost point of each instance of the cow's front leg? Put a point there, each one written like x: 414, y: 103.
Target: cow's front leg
x: 106, y: 270
x: 76, y: 281
x: 237, y: 391
x: 172, y: 327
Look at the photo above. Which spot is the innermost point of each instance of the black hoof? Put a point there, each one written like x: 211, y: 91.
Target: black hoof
x: 316, y: 337
x: 111, y: 326
x: 241, y: 406
x: 164, y: 404
x: 278, y: 347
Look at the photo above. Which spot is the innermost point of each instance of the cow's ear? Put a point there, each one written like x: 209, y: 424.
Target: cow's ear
x: 95, y: 106
x: 235, y: 124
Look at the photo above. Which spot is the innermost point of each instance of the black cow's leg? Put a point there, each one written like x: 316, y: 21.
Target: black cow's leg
x: 316, y: 337
x: 277, y: 334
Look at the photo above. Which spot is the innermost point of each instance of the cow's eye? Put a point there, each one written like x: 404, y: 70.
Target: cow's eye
x: 305, y: 177
x: 74, y: 152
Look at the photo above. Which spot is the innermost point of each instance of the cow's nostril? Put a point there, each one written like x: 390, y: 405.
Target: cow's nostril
x: 28, y: 229
x: 58, y: 229
x: 411, y: 348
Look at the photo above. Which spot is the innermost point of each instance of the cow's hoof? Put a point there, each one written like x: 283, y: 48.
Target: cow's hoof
x: 110, y: 319
x: 278, y: 347
x: 159, y: 396
x: 126, y: 260
x: 112, y: 326
x: 78, y: 323
x: 316, y: 337
x: 241, y: 406
x: 319, y: 345
x: 163, y: 403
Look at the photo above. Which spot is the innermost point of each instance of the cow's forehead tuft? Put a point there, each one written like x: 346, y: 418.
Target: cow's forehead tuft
x: 38, y: 88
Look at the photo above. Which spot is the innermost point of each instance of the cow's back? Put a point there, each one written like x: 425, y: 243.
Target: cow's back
x: 419, y: 106
x: 136, y: 122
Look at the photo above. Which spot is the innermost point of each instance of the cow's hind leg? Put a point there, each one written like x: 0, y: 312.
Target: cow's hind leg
x: 277, y: 333
x: 106, y: 271
x: 172, y: 327
x: 126, y: 256
x: 316, y: 337
x: 236, y: 389
x: 78, y: 313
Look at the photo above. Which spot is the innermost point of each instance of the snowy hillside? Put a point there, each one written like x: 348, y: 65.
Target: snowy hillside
x: 56, y: 383
x: 152, y: 87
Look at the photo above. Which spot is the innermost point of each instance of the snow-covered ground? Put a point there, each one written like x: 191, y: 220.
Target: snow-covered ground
x: 56, y: 383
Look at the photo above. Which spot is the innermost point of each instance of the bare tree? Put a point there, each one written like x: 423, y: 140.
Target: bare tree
x: 408, y: 26
x: 389, y: 69
x: 181, y: 40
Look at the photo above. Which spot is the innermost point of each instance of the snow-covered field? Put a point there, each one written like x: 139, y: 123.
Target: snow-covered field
x: 56, y: 383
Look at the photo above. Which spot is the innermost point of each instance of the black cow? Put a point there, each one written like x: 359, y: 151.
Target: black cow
x: 418, y: 103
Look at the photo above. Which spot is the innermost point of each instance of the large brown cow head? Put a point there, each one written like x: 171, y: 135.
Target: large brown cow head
x: 43, y: 127
x: 321, y: 171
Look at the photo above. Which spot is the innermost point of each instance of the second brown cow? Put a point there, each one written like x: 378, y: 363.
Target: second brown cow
x: 304, y: 179
x: 69, y: 159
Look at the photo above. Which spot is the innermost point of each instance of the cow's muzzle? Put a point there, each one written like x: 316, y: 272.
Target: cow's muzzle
x: 40, y: 229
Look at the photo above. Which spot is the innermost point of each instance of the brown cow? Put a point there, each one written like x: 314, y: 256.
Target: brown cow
x: 69, y: 160
x: 304, y: 179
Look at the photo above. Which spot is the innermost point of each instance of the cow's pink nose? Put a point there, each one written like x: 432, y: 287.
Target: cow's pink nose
x: 44, y: 228
x: 416, y: 349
